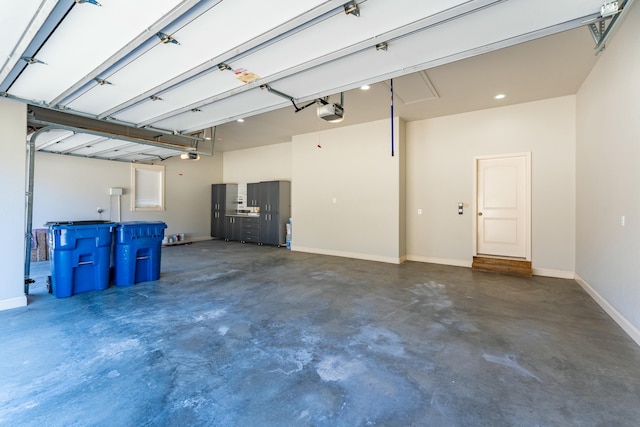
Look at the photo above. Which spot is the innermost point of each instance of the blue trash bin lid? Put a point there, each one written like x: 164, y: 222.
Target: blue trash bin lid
x: 126, y: 231
x: 128, y: 224
x: 83, y: 222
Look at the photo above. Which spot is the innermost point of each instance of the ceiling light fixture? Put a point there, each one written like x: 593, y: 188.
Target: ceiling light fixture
x: 500, y: 96
x: 365, y: 87
x: 240, y: 120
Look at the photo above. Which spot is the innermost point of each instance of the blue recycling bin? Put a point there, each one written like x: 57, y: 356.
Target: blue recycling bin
x: 80, y: 256
x: 137, y: 251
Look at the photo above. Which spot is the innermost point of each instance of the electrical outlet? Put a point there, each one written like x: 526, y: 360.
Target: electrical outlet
x: 419, y: 211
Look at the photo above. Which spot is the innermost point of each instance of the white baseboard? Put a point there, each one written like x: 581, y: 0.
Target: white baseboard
x: 622, y: 321
x: 558, y: 274
x: 7, y: 304
x: 355, y: 255
x: 442, y: 261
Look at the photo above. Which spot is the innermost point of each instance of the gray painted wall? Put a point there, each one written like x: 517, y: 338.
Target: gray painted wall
x: 608, y: 176
x: 72, y: 188
x: 13, y: 128
x: 346, y: 194
x: 440, y: 159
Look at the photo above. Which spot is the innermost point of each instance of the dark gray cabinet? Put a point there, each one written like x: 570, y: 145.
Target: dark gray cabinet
x: 233, y: 229
x: 253, y: 194
x: 242, y: 228
x: 275, y: 210
x: 250, y: 229
x: 274, y: 200
x: 223, y: 199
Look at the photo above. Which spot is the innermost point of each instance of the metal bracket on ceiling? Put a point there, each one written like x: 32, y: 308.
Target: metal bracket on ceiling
x: 103, y: 82
x: 166, y: 38
x: 325, y: 100
x: 280, y: 94
x: 599, y: 30
x: 93, y: 2
x: 352, y: 8
x: 30, y: 60
x: 382, y: 46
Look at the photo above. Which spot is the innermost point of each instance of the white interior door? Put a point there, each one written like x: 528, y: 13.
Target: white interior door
x: 503, y: 194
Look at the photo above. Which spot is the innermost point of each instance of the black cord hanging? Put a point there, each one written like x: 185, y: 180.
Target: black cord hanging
x: 392, y: 130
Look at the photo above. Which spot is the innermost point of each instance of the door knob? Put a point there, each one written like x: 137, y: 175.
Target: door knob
x: 479, y: 213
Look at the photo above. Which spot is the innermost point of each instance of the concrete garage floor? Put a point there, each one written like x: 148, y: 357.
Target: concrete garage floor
x: 242, y: 335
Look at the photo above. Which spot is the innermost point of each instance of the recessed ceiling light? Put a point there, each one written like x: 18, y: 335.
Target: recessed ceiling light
x: 365, y: 87
x: 240, y: 120
x: 500, y: 96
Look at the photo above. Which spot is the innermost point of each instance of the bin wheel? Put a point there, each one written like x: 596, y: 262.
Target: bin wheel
x: 49, y: 287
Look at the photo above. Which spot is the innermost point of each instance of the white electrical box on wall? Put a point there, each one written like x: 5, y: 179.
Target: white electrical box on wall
x: 115, y: 191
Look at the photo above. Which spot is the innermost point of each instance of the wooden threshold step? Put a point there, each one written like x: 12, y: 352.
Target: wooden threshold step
x: 513, y: 267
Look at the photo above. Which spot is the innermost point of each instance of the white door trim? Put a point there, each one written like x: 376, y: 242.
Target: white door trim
x: 474, y: 207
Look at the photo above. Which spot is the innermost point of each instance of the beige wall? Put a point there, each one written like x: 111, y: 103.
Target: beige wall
x: 608, y: 177
x: 72, y: 188
x: 440, y: 158
x: 13, y: 125
x: 346, y: 196
x: 270, y: 163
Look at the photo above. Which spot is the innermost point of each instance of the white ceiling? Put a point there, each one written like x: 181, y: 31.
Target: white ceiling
x: 109, y: 63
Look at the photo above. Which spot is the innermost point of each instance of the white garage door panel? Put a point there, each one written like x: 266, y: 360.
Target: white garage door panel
x: 275, y: 58
x: 87, y: 37
x: 13, y: 21
x: 217, y: 31
x: 341, y: 32
x: 214, y: 82
x: 222, y: 111
x: 422, y: 49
